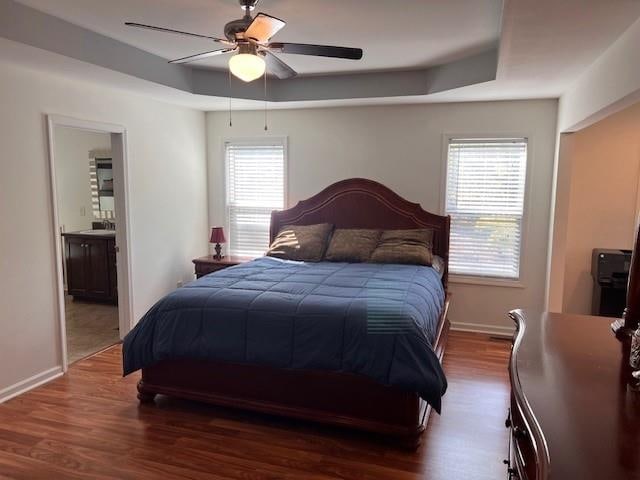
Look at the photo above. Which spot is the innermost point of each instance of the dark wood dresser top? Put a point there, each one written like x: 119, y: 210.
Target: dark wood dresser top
x: 569, y: 378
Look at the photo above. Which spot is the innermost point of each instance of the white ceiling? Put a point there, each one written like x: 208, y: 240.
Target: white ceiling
x: 544, y: 45
x: 547, y: 44
x: 394, y: 34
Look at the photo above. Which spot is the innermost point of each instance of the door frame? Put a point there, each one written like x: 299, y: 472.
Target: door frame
x: 123, y: 240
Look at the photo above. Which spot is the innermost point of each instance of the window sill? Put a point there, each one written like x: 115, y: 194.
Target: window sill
x: 487, y: 281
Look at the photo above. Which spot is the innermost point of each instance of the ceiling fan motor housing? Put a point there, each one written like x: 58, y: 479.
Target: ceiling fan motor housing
x: 247, y: 48
x: 235, y: 27
x: 250, y: 4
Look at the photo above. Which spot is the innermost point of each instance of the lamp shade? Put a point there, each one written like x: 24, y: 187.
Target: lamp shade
x: 217, y: 235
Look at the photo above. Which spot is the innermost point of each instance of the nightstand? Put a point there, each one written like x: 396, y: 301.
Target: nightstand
x: 208, y: 264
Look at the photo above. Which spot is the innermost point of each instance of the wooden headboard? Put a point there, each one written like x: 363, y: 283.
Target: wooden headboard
x: 362, y: 203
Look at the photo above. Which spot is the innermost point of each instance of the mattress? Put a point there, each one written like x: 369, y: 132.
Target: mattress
x: 377, y: 320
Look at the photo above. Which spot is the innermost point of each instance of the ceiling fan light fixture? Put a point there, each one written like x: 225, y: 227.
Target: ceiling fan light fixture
x: 247, y: 65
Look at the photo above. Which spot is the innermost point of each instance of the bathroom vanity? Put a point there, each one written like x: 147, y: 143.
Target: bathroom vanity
x: 91, y: 265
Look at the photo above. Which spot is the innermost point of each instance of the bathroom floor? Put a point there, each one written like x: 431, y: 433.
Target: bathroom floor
x: 91, y: 327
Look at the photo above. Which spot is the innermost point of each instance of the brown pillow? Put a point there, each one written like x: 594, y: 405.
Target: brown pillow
x: 352, y: 245
x: 306, y: 243
x: 405, y: 246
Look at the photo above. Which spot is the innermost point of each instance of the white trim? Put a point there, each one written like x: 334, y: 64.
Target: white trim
x: 93, y: 126
x: 124, y: 261
x: 488, y: 281
x: 494, y: 330
x: 529, y: 139
x: 30, y: 383
x: 125, y: 292
x: 58, y: 257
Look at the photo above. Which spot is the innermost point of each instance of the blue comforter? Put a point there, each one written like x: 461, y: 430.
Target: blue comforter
x: 370, y: 319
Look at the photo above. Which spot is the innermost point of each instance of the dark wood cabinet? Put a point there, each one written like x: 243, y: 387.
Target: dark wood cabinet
x: 97, y: 268
x: 91, y: 266
x: 113, y: 276
x: 75, y: 255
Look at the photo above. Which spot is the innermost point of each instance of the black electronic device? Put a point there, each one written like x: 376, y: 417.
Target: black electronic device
x: 610, y: 272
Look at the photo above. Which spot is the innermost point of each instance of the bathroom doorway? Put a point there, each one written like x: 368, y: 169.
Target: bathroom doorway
x: 88, y: 179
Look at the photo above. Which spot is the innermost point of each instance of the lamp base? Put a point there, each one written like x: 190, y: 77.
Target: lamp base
x: 218, y: 255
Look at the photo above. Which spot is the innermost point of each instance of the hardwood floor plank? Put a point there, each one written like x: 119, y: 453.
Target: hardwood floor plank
x: 88, y: 424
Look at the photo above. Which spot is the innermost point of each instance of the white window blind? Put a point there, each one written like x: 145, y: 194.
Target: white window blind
x: 485, y: 198
x: 255, y: 187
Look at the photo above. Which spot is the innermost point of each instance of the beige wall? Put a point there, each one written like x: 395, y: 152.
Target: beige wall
x: 402, y: 147
x: 599, y: 201
x: 72, y: 147
x: 168, y: 207
x: 609, y: 85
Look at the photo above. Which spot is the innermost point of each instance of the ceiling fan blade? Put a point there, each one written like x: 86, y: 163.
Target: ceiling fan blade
x: 277, y: 66
x: 263, y: 27
x: 317, y: 50
x: 178, y: 32
x: 201, y: 56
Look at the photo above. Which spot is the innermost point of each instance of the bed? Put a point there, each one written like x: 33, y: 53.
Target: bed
x: 298, y: 340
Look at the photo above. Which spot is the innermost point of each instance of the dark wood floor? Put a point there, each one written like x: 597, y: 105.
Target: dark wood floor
x: 88, y: 424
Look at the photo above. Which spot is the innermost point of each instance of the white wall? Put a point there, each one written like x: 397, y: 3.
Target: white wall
x: 402, y: 147
x: 168, y: 207
x: 610, y: 84
x: 72, y: 145
x: 600, y: 201
x: 556, y: 259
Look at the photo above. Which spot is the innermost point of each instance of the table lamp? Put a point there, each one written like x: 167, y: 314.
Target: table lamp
x: 217, y: 237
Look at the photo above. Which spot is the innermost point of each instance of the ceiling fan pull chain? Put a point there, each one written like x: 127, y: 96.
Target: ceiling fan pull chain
x: 265, y: 102
x: 230, y: 122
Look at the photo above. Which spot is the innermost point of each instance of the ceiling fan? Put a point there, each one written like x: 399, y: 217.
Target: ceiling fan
x: 249, y: 39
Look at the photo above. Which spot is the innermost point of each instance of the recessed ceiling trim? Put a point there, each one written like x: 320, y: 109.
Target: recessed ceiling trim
x: 32, y: 27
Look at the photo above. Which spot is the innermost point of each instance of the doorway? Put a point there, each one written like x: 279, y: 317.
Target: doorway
x: 90, y: 225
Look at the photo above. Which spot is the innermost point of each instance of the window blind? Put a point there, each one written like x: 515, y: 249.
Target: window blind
x: 255, y: 187
x: 485, y: 197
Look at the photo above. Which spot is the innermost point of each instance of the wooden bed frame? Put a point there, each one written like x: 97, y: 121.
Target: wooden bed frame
x: 335, y: 398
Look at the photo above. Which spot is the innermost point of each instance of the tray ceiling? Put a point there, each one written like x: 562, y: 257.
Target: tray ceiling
x: 405, y: 34
x: 415, y: 50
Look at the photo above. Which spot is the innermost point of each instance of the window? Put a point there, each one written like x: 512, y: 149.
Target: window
x: 255, y: 187
x: 485, y: 198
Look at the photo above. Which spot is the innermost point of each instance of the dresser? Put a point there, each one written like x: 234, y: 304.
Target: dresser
x: 574, y: 411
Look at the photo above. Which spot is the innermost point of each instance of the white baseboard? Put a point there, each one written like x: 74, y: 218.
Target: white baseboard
x: 29, y: 383
x: 495, y: 330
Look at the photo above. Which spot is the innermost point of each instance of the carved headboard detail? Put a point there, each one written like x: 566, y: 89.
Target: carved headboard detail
x: 362, y: 203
